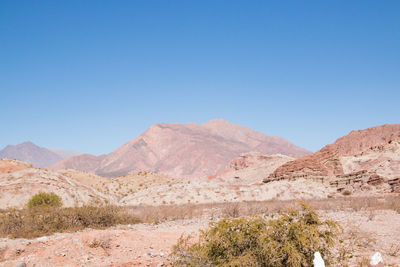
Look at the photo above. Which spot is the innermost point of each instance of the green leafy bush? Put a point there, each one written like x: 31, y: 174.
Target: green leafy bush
x: 45, y: 200
x: 289, y: 239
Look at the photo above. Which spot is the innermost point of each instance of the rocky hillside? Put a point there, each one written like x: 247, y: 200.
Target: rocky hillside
x: 358, y: 160
x: 241, y: 182
x: 185, y: 150
x: 251, y: 168
x: 123, y: 186
x: 19, y: 182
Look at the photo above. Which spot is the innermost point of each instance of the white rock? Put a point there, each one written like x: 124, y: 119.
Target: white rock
x: 318, y: 261
x: 43, y: 239
x: 376, y: 259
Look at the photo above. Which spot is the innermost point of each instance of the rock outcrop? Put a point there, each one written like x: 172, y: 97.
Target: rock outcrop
x: 370, y: 156
x: 250, y: 168
x: 19, y: 182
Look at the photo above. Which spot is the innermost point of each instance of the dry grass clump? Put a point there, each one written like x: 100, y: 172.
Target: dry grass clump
x: 289, y: 239
x: 158, y: 214
x: 103, y: 242
x: 40, y: 221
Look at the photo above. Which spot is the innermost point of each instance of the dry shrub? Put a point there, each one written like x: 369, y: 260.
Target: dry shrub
x: 231, y: 210
x: 346, y: 192
x: 289, y: 239
x: 394, y: 250
x: 103, y: 242
x: 35, y: 222
x: 158, y: 214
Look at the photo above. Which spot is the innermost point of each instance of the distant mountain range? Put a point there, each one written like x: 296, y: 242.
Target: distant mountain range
x: 182, y: 150
x: 37, y: 156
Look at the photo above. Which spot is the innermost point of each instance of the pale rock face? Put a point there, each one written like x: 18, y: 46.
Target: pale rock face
x: 251, y: 168
x: 318, y: 261
x: 20, y: 183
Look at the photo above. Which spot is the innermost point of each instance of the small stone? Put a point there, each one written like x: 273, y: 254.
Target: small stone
x: 22, y: 264
x: 318, y: 261
x: 43, y: 239
x: 376, y: 259
x: 151, y: 253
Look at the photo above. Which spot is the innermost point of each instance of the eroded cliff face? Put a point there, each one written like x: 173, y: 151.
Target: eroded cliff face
x: 361, y: 158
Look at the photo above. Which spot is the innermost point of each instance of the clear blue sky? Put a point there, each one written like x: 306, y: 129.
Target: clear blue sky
x: 92, y: 75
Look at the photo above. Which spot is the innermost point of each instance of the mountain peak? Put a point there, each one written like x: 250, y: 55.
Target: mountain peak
x: 186, y: 150
x: 30, y: 153
x: 27, y: 143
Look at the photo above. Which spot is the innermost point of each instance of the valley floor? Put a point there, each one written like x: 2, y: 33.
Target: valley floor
x: 369, y: 229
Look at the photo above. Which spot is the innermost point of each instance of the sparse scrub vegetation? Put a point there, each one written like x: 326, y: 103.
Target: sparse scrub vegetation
x: 289, y: 239
x: 39, y: 221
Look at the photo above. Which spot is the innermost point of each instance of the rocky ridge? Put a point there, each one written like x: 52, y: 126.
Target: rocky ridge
x: 19, y: 182
x: 354, y: 162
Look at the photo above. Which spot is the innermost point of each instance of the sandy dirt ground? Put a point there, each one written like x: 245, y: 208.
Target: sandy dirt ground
x: 150, y: 245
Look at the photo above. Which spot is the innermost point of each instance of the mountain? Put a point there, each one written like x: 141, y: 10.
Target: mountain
x: 29, y: 152
x: 186, y: 150
x: 362, y: 157
x: 64, y: 153
x: 84, y: 162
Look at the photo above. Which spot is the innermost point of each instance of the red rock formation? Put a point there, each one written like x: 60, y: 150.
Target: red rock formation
x: 9, y: 165
x: 326, y: 162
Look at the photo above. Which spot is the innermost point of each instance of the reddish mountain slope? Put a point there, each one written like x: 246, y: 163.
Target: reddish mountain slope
x: 188, y: 150
x: 358, y: 155
x: 84, y: 162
